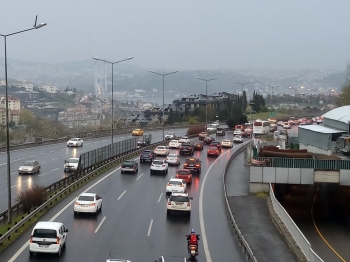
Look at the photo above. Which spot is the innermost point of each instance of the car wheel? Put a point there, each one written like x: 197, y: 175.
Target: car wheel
x: 166, y: 171
x: 199, y: 171
x: 59, y: 252
x: 189, y: 214
x: 31, y: 253
x: 137, y: 170
x: 82, y: 144
x: 121, y: 171
x: 168, y: 212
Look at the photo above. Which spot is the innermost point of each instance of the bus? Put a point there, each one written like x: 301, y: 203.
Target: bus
x: 261, y: 127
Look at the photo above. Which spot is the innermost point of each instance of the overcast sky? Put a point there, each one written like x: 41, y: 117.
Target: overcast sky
x: 182, y: 34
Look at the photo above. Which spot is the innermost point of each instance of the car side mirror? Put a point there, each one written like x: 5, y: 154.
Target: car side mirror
x: 191, y: 198
x: 65, y: 161
x: 66, y: 230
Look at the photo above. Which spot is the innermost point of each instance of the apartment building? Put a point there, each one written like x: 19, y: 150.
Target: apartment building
x: 49, y: 88
x: 14, y: 103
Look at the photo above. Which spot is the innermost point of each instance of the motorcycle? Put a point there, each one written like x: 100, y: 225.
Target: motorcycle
x: 193, y: 249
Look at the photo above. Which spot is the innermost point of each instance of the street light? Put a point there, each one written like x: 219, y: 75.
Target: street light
x: 163, y: 75
x: 35, y: 26
x: 242, y: 84
x: 112, y: 63
x: 206, y: 98
x: 272, y: 87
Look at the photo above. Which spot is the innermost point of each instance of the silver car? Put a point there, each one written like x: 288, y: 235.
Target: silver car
x: 29, y: 167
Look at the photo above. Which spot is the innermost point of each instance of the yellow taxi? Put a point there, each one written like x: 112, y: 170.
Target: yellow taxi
x: 137, y: 132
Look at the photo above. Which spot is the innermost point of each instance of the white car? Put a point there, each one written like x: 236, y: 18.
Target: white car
x: 286, y: 125
x: 237, y: 139
x: 211, y: 128
x: 237, y: 132
x: 173, y: 159
x: 71, y: 164
x: 174, y: 144
x: 226, y: 143
x: 161, y: 151
x: 159, y: 165
x: 170, y: 136
x: 175, y: 185
x: 179, y: 202
x: 87, y: 203
x: 75, y: 142
x: 280, y: 123
x: 185, y: 140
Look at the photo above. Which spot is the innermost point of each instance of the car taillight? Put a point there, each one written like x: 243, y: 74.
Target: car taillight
x: 76, y: 203
x: 185, y: 164
x: 31, y: 239
x: 197, y: 165
x: 163, y: 165
x: 217, y: 151
x: 166, y: 159
x: 169, y: 203
x: 188, y: 204
x: 58, y: 240
x: 188, y: 176
x: 180, y: 147
x: 168, y: 185
x: 181, y: 185
x: 190, y: 148
x: 208, y: 150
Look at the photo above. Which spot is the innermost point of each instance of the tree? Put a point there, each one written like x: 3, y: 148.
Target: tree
x: 344, y: 96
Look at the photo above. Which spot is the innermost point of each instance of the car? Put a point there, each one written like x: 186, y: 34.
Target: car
x: 170, y: 136
x: 237, y: 132
x: 117, y: 260
x: 193, y: 164
x: 237, y: 139
x: 173, y: 159
x: 186, y: 149
x: 87, y: 203
x: 215, y: 144
x: 273, y: 127
x: 213, y: 151
x: 29, y: 167
x: 220, y: 131
x: 198, y: 145
x: 180, y: 202
x: 184, y: 174
x: 280, y: 123
x: 203, y: 135
x: 170, y: 259
x: 48, y: 237
x: 147, y: 155
x: 286, y: 125
x: 137, y: 132
x: 159, y: 166
x: 211, y: 128
x: 129, y: 166
x: 226, y: 143
x: 162, y: 151
x: 175, y: 185
x: 143, y: 142
x: 247, y: 132
x: 208, y: 140
x: 71, y: 164
x: 174, y: 144
x: 75, y: 142
x: 185, y: 140
x: 216, y: 124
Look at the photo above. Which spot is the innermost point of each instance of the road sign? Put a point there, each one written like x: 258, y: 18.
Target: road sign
x: 273, y: 114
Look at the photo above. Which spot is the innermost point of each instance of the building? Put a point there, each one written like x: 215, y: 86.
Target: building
x: 49, y: 88
x: 27, y: 85
x: 14, y: 103
x: 321, y: 139
x: 13, y: 115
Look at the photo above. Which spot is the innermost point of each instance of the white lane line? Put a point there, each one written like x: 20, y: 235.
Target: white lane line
x: 53, y: 151
x: 150, y: 228
x: 122, y: 137
x: 42, y: 174
x: 136, y: 159
x: 54, y: 159
x: 55, y: 169
x: 13, y: 186
x: 201, y: 218
x: 25, y: 181
x: 31, y: 156
x: 104, y: 140
x: 99, y: 225
x: 3, y: 164
x: 13, y: 173
x: 139, y: 176
x: 160, y: 197
x: 43, y: 162
x: 25, y: 245
x: 16, y: 160
x: 96, y: 142
x: 121, y: 195
x: 42, y: 153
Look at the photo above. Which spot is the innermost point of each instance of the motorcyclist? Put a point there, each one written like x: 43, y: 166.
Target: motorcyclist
x: 192, y: 239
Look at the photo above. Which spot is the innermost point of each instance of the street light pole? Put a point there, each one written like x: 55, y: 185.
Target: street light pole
x: 272, y: 87
x: 35, y: 26
x: 206, y: 98
x: 163, y: 75
x: 112, y: 114
x: 242, y: 84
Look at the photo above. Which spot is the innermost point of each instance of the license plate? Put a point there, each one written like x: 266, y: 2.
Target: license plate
x: 84, y: 205
x: 45, y: 246
x: 178, y: 203
x: 191, y: 164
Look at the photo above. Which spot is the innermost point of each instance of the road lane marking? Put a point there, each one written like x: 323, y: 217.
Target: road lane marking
x: 13, y: 173
x: 25, y: 245
x: 53, y: 151
x: 150, y: 228
x: 43, y: 162
x: 16, y: 160
x: 42, y: 153
x: 136, y: 159
x: 139, y: 176
x: 13, y: 186
x: 121, y: 195
x: 31, y: 156
x: 42, y: 174
x: 160, y: 197
x: 25, y: 181
x: 99, y: 225
x: 55, y: 169
x: 54, y: 159
x: 201, y: 218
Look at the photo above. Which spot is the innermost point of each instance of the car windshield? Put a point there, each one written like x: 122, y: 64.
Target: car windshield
x: 183, y: 172
x: 127, y: 163
x: 172, y: 155
x: 174, y: 141
x: 161, y: 147
x: 169, y: 134
x: 184, y: 137
x: 175, y: 183
x: 158, y: 162
x: 44, y: 233
x: 237, y: 136
x: 227, y: 141
x: 86, y: 198
x: 179, y: 199
x: 73, y: 160
x: 74, y: 139
x: 146, y: 152
x: 28, y: 163
x: 212, y: 148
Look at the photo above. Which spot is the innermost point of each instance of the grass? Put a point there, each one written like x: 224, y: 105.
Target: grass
x: 265, y: 115
x: 262, y: 194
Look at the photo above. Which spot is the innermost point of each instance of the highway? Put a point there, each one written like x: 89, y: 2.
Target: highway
x: 133, y: 223
x: 51, y: 158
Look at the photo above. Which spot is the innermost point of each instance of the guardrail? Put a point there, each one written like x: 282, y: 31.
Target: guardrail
x: 298, y: 236
x: 317, y: 164
x: 241, y: 238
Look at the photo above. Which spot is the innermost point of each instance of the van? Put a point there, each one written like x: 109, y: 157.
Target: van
x: 48, y: 237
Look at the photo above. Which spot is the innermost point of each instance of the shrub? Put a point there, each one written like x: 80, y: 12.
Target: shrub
x: 195, y: 130
x: 32, y: 197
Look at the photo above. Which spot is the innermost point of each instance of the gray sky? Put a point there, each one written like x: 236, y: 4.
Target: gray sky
x: 183, y: 34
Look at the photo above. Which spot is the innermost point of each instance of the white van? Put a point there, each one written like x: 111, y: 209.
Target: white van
x: 48, y: 237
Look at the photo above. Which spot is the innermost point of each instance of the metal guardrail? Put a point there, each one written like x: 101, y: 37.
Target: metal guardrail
x: 317, y: 164
x: 241, y: 238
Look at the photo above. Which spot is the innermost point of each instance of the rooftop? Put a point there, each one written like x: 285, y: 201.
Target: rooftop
x: 341, y: 114
x: 322, y: 129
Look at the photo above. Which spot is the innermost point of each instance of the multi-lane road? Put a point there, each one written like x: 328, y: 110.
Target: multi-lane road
x: 133, y: 223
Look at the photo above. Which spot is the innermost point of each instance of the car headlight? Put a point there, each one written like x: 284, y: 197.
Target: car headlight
x: 20, y: 169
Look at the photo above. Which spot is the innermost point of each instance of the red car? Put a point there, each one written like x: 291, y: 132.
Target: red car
x: 216, y: 144
x: 185, y: 175
x: 213, y: 151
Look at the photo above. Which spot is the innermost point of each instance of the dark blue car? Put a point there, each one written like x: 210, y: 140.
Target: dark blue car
x: 147, y: 155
